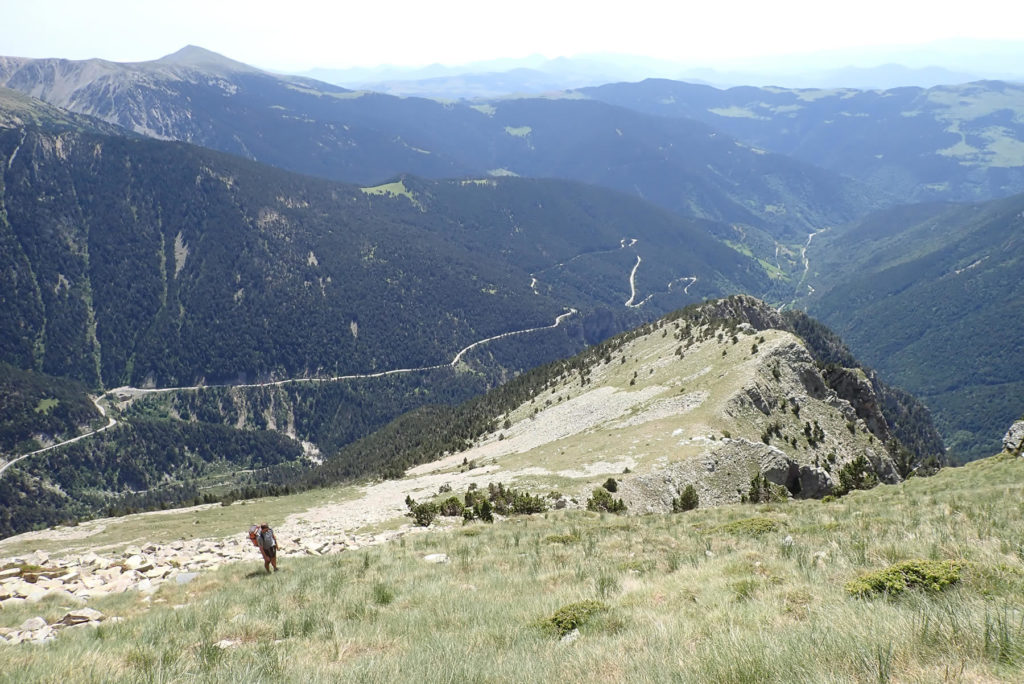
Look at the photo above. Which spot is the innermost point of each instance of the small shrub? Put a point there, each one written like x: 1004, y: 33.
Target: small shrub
x: 611, y: 485
x: 929, y: 575
x: 686, y: 501
x: 485, y: 512
x: 749, y: 526
x: 857, y: 474
x: 601, y: 500
x: 763, y: 491
x: 422, y: 513
x: 451, y: 506
x: 572, y: 616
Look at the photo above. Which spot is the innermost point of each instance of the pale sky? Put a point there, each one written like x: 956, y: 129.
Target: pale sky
x: 293, y: 35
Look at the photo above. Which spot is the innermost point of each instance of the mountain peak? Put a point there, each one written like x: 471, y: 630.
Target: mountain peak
x: 196, y: 57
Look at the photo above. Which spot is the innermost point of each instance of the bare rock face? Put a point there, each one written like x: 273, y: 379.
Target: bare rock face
x: 1013, y: 441
x: 853, y: 386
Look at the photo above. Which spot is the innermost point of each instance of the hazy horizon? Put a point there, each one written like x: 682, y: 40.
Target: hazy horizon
x: 315, y: 34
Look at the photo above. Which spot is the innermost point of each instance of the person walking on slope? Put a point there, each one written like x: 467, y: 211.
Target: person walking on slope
x: 268, y: 546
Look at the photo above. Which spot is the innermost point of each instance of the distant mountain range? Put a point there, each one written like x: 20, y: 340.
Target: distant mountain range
x: 958, y: 143
x: 314, y: 128
x: 946, y: 62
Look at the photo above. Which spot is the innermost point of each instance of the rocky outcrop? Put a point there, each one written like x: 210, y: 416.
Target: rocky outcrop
x: 852, y: 385
x: 745, y: 309
x: 723, y: 475
x: 1013, y: 441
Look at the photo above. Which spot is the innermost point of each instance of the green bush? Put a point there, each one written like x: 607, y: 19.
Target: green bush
x: 763, y: 491
x: 687, y: 501
x: 749, y: 526
x: 929, y: 575
x: 484, y: 511
x: 422, y: 513
x: 451, y: 506
x: 611, y: 485
x: 570, y: 617
x: 857, y: 474
x: 601, y: 500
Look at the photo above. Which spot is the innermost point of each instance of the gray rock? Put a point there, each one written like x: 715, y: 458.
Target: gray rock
x: 570, y: 637
x: 186, y: 577
x: 814, y: 482
x: 33, y: 624
x: 81, y: 615
x: 436, y: 558
x: 1013, y: 442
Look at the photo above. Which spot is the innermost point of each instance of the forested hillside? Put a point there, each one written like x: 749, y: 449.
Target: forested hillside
x: 955, y: 142
x: 33, y: 404
x: 933, y: 297
x: 141, y: 262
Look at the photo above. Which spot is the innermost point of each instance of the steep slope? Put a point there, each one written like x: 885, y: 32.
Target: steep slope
x: 713, y: 395
x: 315, y: 128
x: 913, y: 288
x: 959, y: 142
x: 138, y: 262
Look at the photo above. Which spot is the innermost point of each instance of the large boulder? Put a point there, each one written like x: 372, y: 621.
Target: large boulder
x: 1013, y: 442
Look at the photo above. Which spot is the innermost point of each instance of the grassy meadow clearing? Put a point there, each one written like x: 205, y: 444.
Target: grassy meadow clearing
x: 734, y: 594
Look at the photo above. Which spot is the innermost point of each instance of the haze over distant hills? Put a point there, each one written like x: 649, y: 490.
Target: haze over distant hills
x: 939, y: 63
x: 318, y: 129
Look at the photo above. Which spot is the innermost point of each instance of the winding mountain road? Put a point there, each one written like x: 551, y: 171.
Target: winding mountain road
x: 624, y: 243
x: 138, y: 391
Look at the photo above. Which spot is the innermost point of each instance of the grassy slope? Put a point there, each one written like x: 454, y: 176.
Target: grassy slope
x: 753, y: 609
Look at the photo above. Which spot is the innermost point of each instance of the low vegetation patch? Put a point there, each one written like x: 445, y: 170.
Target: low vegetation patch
x: 929, y: 575
x: 572, y: 616
x: 686, y: 501
x: 602, y: 501
x: 749, y: 526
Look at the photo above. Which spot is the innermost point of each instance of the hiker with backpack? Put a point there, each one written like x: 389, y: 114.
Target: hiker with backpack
x: 263, y: 537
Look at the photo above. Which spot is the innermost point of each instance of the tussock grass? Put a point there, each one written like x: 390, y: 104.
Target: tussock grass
x: 678, y: 598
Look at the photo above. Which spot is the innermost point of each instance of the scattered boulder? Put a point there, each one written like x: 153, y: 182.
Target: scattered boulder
x: 32, y: 624
x: 436, y: 558
x: 81, y: 615
x: 1013, y: 441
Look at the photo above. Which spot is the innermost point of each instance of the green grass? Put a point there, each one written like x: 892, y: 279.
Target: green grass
x: 46, y: 405
x: 681, y: 598
x: 396, y: 189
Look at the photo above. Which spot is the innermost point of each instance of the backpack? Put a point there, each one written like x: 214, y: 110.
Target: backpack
x: 267, y: 540
x: 254, y: 534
